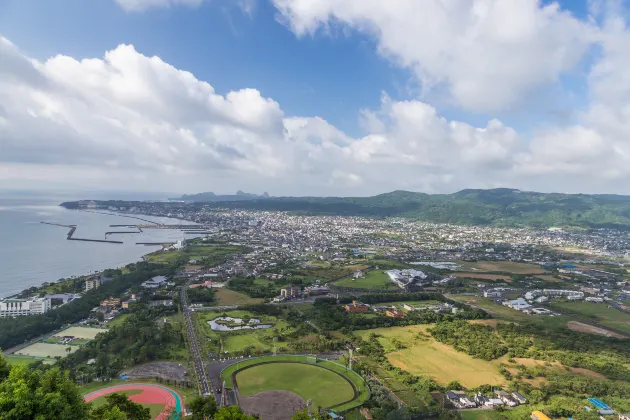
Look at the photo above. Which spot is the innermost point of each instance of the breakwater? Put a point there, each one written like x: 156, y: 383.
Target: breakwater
x: 71, y: 238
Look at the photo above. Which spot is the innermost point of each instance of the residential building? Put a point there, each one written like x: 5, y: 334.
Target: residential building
x: 355, y: 307
x: 519, y: 397
x: 395, y: 313
x: 111, y: 302
x: 10, y: 308
x: 506, y: 398
x: 492, y: 293
x: 291, y: 292
x: 154, y: 282
x: 92, y: 283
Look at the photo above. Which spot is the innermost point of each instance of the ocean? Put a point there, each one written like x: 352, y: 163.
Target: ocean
x: 32, y: 253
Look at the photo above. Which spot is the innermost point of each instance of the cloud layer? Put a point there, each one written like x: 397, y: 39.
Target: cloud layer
x: 126, y: 120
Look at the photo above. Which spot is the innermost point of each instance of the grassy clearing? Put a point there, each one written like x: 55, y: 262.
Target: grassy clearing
x: 118, y: 320
x: 324, y: 387
x: 600, y: 312
x: 230, y: 297
x: 20, y: 360
x: 81, y: 332
x: 501, y: 266
x: 431, y: 358
x: 375, y: 279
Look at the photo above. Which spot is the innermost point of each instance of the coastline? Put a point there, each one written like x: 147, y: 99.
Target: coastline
x: 98, y: 259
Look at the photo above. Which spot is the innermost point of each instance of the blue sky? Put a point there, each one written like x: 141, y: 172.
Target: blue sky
x: 368, y: 97
x: 333, y: 76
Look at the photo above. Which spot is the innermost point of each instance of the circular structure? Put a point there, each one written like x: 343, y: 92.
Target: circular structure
x: 153, y: 396
x: 281, y: 405
x: 325, y: 387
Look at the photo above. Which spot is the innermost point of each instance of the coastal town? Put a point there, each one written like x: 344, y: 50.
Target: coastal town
x: 243, y: 284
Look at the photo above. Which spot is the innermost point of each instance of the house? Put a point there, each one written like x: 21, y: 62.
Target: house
x: 539, y: 415
x: 519, y: 397
x: 111, y: 302
x: 624, y: 416
x: 492, y: 293
x: 154, y: 282
x: 356, y: 307
x: 459, y: 399
x: 163, y: 302
x: 506, y: 398
x: 395, y: 313
x: 358, y: 275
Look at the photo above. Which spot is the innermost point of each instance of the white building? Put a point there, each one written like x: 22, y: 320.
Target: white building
x: 92, y: 283
x: 10, y: 308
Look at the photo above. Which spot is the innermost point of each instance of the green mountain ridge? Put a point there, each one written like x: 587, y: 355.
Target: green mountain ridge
x: 493, y: 207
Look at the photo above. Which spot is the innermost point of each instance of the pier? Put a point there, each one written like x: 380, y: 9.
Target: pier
x: 74, y: 228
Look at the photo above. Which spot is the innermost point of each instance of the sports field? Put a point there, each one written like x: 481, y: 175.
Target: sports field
x: 162, y: 401
x: 46, y: 350
x: 425, y: 356
x: 375, y: 279
x: 81, y: 332
x: 324, y: 387
x: 306, y: 384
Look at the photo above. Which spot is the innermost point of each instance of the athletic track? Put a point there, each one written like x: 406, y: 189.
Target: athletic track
x: 151, y: 394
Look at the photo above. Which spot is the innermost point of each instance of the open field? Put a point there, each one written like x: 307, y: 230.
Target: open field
x: 599, y: 312
x: 46, y: 351
x: 118, y: 320
x: 357, y: 267
x: 324, y: 387
x: 431, y: 358
x: 417, y: 303
x: 230, y: 297
x: 22, y: 360
x: 483, y: 276
x: 501, y: 266
x: 81, y: 332
x: 585, y: 328
x: 375, y: 279
x: 276, y: 361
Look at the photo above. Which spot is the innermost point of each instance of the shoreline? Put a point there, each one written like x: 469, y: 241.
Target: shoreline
x: 146, y: 250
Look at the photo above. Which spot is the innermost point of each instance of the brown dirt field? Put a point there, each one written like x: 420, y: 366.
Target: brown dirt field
x: 484, y: 276
x: 587, y: 372
x: 276, y: 405
x: 357, y: 267
x: 193, y: 267
x: 585, y: 328
x: 230, y: 297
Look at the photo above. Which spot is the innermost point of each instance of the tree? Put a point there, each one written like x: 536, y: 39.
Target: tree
x: 4, y: 368
x: 100, y: 316
x: 118, y: 404
x: 33, y: 394
x: 203, y: 407
x: 232, y: 413
x: 303, y: 415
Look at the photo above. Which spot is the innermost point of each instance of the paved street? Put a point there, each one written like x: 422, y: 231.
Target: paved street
x: 194, y: 346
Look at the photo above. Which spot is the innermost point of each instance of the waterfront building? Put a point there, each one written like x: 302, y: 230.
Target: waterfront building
x: 10, y: 308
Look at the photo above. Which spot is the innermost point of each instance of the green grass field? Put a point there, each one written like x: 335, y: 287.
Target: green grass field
x: 363, y: 390
x: 324, y: 387
x: 81, y: 332
x: 375, y: 279
x: 500, y: 266
x: 431, y: 358
x: 45, y: 350
x: 22, y: 360
x: 118, y: 320
x: 599, y: 312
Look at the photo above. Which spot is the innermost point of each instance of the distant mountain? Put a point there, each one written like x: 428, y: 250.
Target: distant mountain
x: 496, y: 207
x: 212, y: 197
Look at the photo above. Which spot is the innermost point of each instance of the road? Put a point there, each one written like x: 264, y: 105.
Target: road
x: 197, y: 357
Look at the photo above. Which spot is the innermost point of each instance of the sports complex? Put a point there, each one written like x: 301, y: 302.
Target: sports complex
x: 162, y: 401
x: 278, y: 386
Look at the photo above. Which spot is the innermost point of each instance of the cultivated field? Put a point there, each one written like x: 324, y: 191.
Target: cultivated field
x: 501, y: 266
x: 375, y: 279
x: 227, y: 297
x: 46, y: 351
x: 81, y: 332
x: 324, y: 387
x: 425, y: 356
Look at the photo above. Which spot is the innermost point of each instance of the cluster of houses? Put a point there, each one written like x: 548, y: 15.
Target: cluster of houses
x: 460, y: 400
